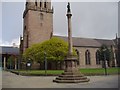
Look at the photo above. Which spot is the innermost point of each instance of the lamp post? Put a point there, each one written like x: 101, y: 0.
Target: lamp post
x: 45, y: 60
x: 104, y: 50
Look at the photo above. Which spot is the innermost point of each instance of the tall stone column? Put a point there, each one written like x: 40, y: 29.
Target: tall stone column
x: 4, y: 63
x: 69, y: 15
x: 71, y: 73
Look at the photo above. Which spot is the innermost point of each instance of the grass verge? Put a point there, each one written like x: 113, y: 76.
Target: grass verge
x: 86, y: 71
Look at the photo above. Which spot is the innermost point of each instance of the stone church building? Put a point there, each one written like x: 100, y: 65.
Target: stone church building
x: 38, y: 27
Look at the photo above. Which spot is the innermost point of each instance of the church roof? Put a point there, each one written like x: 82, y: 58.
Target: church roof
x: 88, y: 42
x: 9, y: 50
x: 106, y: 42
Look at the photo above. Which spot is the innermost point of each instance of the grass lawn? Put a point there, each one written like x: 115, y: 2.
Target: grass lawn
x: 99, y: 71
x: 42, y: 72
x: 86, y: 71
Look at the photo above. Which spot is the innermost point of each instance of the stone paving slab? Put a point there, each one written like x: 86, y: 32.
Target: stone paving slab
x: 11, y: 80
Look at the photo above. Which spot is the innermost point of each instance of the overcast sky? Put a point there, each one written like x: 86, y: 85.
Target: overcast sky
x: 89, y: 20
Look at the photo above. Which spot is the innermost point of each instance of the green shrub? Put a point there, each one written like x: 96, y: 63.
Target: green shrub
x: 56, y: 50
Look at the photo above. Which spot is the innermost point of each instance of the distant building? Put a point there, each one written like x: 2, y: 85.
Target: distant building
x: 38, y: 27
x: 6, y: 53
x: 88, y: 51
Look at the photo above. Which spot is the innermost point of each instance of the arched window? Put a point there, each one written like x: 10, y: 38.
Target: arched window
x: 35, y: 2
x: 24, y: 27
x: 45, y: 4
x: 78, y: 63
x: 40, y: 4
x: 98, y: 57
x: 26, y: 38
x: 41, y: 16
x: 87, y: 57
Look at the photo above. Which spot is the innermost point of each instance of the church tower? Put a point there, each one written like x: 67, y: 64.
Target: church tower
x: 38, y: 22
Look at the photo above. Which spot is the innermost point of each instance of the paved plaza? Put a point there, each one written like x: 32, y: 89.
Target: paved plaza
x: 11, y: 80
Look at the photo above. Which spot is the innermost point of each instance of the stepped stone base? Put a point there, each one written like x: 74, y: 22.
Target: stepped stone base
x: 70, y: 77
x: 71, y: 73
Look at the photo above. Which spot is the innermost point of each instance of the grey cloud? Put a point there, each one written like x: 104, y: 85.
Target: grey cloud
x: 90, y: 19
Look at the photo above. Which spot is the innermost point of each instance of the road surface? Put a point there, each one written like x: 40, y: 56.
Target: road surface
x: 11, y: 80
